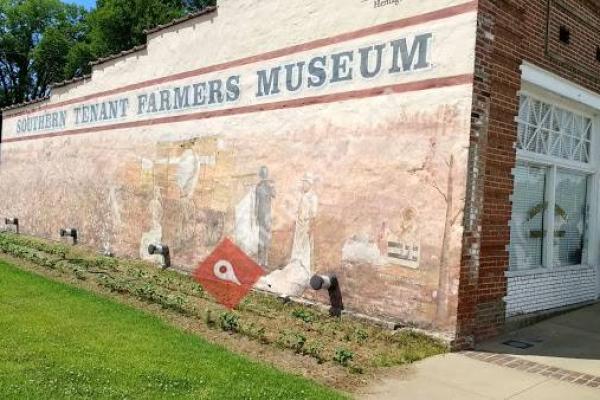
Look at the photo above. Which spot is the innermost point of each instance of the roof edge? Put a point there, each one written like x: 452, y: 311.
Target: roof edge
x: 69, y: 81
x: 124, y: 53
x: 25, y: 103
x: 199, y: 13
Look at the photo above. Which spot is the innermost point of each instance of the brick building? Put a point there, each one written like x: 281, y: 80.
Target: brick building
x: 420, y: 150
x: 536, y: 79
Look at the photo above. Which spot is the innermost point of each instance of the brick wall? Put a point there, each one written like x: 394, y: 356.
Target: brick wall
x: 550, y: 289
x: 510, y: 32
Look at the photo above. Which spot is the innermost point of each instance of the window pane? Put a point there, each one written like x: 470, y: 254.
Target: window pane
x: 548, y: 129
x: 527, y: 220
x: 569, y: 218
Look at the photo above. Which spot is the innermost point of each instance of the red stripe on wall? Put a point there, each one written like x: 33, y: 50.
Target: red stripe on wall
x: 390, y: 26
x: 278, y: 105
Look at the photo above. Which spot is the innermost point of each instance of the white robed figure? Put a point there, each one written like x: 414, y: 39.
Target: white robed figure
x: 294, y: 278
x: 307, y: 211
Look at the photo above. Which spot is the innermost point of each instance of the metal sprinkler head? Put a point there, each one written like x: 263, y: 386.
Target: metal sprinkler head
x: 331, y: 284
x: 162, y: 250
x: 69, y: 232
x: 14, y: 222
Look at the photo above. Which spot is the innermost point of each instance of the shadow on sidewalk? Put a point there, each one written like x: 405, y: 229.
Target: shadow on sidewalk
x: 570, y: 341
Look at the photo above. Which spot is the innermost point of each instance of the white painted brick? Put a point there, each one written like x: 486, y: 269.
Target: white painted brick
x: 547, y: 290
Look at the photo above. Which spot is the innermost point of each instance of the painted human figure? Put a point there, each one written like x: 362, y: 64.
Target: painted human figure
x: 187, y: 175
x: 265, y: 193
x: 111, y: 220
x: 294, y: 278
x: 307, y: 211
x: 382, y: 240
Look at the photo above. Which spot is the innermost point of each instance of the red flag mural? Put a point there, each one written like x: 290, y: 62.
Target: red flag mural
x: 228, y: 274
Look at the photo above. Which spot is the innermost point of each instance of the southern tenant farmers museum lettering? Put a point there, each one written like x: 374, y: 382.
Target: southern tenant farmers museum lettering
x: 403, y: 55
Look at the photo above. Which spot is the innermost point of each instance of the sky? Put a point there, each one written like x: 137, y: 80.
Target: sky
x: 86, y: 3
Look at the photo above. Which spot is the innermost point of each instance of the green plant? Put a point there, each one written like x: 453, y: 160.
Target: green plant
x: 197, y: 291
x: 93, y: 262
x: 176, y: 303
x: 292, y: 340
x: 147, y: 291
x: 138, y: 273
x: 254, y: 332
x: 304, y: 314
x: 115, y: 285
x: 361, y: 335
x: 34, y: 243
x: 229, y: 322
x: 343, y: 356
x: 315, y: 350
x: 80, y: 274
x: 355, y: 369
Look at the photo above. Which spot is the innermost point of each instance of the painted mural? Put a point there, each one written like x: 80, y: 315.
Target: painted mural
x: 368, y: 185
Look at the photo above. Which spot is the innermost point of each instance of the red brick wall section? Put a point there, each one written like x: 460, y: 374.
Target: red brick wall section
x: 510, y: 32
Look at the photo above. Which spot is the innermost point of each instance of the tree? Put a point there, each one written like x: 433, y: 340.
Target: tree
x: 35, y: 38
x: 117, y: 25
x: 46, y: 41
x: 445, y: 117
x: 445, y: 266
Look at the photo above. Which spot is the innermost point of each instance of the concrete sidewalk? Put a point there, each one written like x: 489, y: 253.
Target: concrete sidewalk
x: 570, y: 341
x: 560, y: 359
x: 458, y: 377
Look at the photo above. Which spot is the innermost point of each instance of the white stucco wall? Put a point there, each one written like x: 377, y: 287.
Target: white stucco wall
x: 382, y: 154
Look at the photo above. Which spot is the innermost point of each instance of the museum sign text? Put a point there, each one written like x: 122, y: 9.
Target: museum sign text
x: 399, y: 56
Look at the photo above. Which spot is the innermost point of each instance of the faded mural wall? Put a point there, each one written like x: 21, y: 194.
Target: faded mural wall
x: 317, y: 141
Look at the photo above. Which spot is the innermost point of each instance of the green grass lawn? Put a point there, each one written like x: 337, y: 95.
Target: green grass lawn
x: 57, y: 342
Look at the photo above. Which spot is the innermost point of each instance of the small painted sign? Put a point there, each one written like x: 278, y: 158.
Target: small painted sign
x: 228, y: 274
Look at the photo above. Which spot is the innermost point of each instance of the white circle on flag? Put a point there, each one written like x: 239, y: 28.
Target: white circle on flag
x: 224, y: 271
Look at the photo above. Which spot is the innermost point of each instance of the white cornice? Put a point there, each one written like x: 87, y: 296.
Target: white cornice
x: 554, y: 83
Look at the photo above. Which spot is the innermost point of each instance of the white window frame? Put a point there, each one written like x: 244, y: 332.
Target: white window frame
x: 566, y: 101
x: 535, y: 97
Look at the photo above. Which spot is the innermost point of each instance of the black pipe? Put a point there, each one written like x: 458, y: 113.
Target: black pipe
x: 162, y: 250
x: 332, y: 285
x: 70, y: 232
x: 12, y: 221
